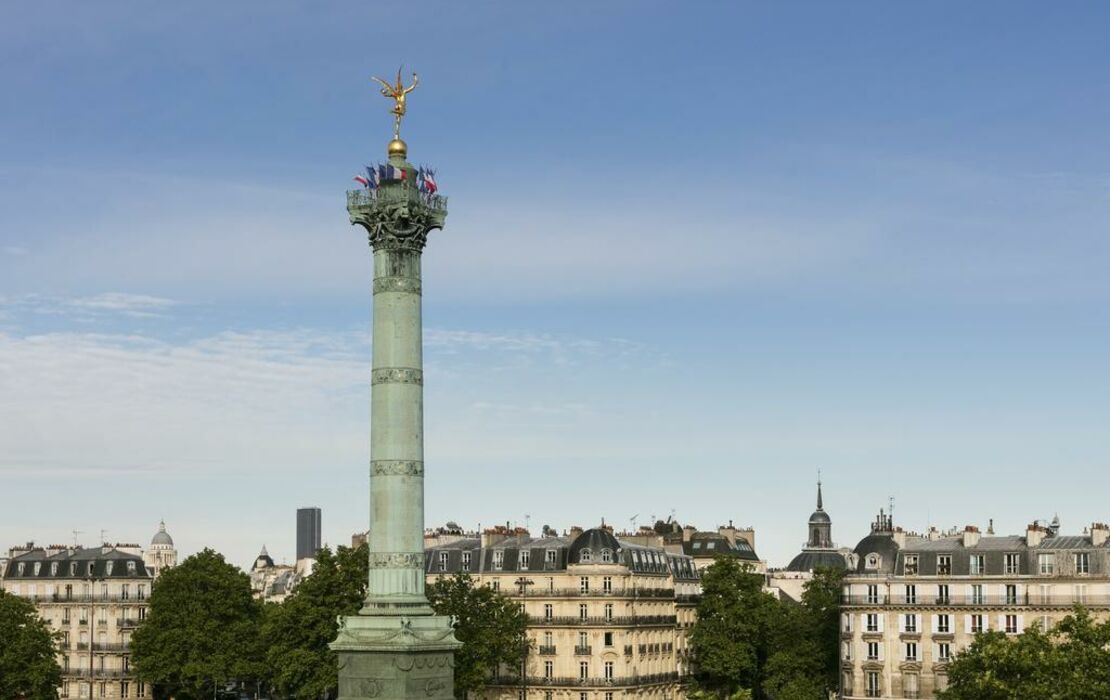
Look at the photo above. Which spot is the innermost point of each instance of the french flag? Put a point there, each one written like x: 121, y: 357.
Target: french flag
x: 362, y: 181
x: 429, y: 181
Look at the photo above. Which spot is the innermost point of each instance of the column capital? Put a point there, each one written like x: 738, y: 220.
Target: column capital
x: 397, y: 215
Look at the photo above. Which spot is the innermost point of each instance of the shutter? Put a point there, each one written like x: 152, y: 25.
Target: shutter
x: 882, y: 623
x: 936, y: 623
x: 863, y: 622
x: 987, y: 623
x: 917, y: 623
x: 967, y: 624
x: 882, y: 650
x: 901, y: 624
x: 1002, y: 622
x: 1020, y: 623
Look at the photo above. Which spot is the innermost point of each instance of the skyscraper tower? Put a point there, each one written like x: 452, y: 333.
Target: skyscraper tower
x: 308, y: 533
x: 396, y: 647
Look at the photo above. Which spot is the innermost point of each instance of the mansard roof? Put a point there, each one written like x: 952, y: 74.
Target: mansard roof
x: 96, y: 563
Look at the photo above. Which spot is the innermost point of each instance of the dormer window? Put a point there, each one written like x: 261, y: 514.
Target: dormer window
x: 498, y: 559
x: 873, y: 561
x: 54, y: 569
x: 108, y: 568
x: 73, y: 568
x: 90, y: 569
x: 606, y: 556
x: 443, y: 557
x: 38, y: 567
x: 585, y: 556
x: 20, y: 568
x: 525, y: 559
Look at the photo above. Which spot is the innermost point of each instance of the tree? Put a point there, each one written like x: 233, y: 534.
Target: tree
x: 491, y: 627
x: 202, y: 630
x: 731, y: 641
x: 821, y: 600
x: 298, y: 631
x: 1070, y: 662
x: 28, y: 651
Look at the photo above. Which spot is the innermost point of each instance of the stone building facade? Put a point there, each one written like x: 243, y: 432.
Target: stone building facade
x: 914, y: 601
x: 95, y: 597
x: 608, y: 618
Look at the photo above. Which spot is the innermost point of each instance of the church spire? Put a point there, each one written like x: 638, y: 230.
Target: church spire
x: 819, y: 505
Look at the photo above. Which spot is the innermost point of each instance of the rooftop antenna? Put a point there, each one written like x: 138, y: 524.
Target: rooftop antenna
x: 527, y: 522
x: 632, y: 520
x: 76, y: 533
x: 891, y: 512
x: 103, y: 536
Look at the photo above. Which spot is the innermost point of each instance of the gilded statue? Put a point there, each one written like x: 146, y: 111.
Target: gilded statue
x: 397, y: 93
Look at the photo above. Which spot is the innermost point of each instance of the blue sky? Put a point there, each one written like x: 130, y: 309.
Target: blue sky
x: 696, y: 251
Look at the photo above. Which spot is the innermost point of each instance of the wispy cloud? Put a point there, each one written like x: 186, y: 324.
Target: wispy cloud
x: 104, y: 305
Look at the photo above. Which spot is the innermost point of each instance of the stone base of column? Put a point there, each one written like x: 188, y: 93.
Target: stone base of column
x: 396, y: 657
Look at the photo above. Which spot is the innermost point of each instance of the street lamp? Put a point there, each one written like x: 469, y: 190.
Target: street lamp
x: 523, y: 583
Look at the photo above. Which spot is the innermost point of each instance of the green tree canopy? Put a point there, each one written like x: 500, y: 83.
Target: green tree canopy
x: 202, y: 630
x: 746, y: 639
x: 1070, y: 662
x: 298, y: 631
x: 490, y: 625
x: 28, y: 650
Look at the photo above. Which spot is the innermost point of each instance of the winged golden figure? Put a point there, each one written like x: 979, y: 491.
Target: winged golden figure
x: 397, y: 92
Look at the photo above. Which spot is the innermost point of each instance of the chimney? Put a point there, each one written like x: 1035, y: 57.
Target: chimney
x: 1034, y: 534
x: 728, y: 532
x: 575, y: 531
x: 748, y: 533
x: 933, y: 534
x: 971, y: 536
x: 899, y: 537
x: 1100, y: 532
x: 688, y: 532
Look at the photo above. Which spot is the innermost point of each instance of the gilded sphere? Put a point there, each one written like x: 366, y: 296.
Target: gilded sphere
x: 397, y: 147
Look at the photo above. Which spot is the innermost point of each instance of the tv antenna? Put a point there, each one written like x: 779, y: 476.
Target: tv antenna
x: 76, y: 533
x: 632, y: 520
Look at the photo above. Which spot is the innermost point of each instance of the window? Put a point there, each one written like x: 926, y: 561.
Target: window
x: 911, y: 651
x: 976, y: 624
x: 607, y: 584
x: 496, y: 584
x: 583, y: 611
x: 1046, y: 564
x: 944, y: 651
x: 872, y: 594
x: 1082, y: 563
x: 525, y: 558
x: 874, y: 684
x: 942, y: 594
x: 845, y: 622
x: 551, y: 558
x: 608, y: 670
x: 910, y: 623
x: 977, y: 594
x: 911, y: 594
x: 606, y: 556
x: 1011, y: 594
x: 608, y: 611
x: 872, y: 651
x: 498, y: 559
x: 1045, y: 594
x: 583, y: 669
x: 548, y: 611
x: 548, y: 639
x: 1011, y: 624
x: 583, y: 640
x: 909, y: 566
x: 944, y: 565
x: 140, y: 591
x: 1081, y: 593
x: 123, y: 689
x: 976, y: 564
x: 1046, y: 623
x: 873, y: 561
x: 872, y: 622
x: 584, y: 584
x: 466, y: 561
x: 944, y: 624
x: 608, y: 639
x: 909, y: 684
x: 585, y: 556
x: 609, y: 695
x: 443, y: 559
x: 846, y: 651
x: 1012, y: 562
x: 548, y: 669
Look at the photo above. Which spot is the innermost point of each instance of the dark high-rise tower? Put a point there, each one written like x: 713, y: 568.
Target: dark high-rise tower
x: 308, y: 533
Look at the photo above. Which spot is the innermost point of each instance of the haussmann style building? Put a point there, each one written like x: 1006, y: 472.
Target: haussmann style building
x: 913, y: 601
x: 608, y: 618
x: 95, y: 597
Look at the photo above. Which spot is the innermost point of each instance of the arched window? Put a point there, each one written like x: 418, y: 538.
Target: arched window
x: 873, y: 561
x: 585, y: 556
x: 606, y: 556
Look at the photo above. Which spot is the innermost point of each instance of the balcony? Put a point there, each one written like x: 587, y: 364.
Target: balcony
x: 95, y: 673
x: 546, y: 650
x: 111, y: 646
x: 614, y: 621
x: 617, y: 682
x: 393, y: 194
x: 983, y: 601
x: 665, y: 593
x: 583, y: 650
x: 127, y: 622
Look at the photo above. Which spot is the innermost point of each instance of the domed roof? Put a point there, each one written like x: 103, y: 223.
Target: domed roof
x: 810, y: 560
x: 884, y: 549
x: 595, y: 541
x: 263, y: 560
x: 819, y: 516
x: 162, y: 537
